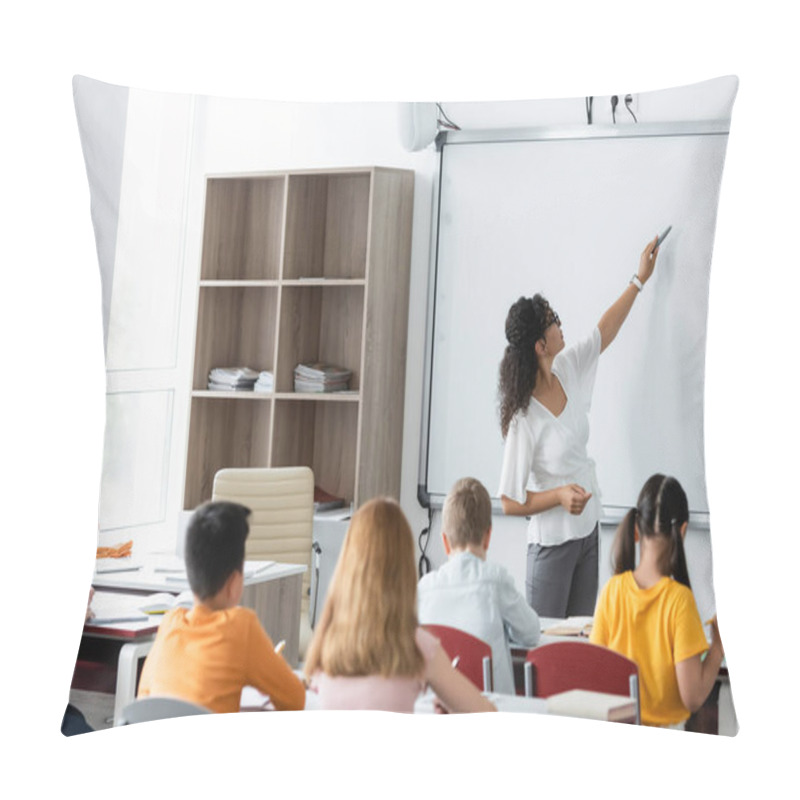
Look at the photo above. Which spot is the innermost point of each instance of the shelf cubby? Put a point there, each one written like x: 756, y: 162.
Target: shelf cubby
x: 304, y: 266
x: 238, y: 329
x: 224, y: 432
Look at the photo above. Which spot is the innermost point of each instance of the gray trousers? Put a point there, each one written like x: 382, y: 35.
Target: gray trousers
x: 561, y: 580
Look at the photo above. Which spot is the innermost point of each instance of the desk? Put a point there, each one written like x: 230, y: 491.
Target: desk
x: 130, y: 641
x: 273, y: 593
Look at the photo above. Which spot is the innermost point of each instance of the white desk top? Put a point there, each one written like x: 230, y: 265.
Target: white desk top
x: 253, y: 700
x: 164, y: 572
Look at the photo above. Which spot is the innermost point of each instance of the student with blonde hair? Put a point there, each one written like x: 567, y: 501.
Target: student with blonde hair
x: 473, y: 594
x: 648, y: 613
x: 368, y: 651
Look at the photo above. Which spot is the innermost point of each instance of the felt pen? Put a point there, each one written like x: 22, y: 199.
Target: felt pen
x: 663, y: 236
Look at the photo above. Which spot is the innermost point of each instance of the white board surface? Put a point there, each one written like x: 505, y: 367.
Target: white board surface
x: 569, y: 218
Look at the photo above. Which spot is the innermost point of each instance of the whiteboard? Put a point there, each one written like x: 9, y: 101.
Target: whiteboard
x: 569, y: 217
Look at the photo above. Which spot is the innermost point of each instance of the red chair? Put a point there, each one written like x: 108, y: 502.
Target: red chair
x: 474, y: 655
x: 561, y: 666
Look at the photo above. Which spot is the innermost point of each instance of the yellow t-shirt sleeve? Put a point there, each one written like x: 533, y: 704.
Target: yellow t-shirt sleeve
x: 690, y: 639
x: 599, y: 633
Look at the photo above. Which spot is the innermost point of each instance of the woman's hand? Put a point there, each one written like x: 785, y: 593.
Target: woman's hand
x: 573, y: 497
x: 647, y: 261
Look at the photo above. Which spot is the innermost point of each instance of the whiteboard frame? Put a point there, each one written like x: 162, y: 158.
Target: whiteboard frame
x: 611, y: 514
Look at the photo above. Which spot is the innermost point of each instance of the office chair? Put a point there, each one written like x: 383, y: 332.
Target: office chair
x: 150, y: 708
x: 561, y: 666
x: 281, y: 501
x: 474, y: 655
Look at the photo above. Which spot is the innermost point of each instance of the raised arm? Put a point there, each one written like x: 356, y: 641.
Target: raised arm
x: 612, y: 320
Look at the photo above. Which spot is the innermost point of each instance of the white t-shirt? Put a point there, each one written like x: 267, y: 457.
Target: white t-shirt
x: 543, y: 451
x: 479, y: 597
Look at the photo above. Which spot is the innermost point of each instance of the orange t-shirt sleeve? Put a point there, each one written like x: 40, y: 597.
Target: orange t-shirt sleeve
x: 269, y: 672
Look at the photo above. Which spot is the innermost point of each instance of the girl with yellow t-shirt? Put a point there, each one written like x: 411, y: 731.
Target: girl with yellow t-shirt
x: 647, y: 611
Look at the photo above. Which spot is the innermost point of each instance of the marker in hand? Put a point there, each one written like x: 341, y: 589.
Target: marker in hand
x: 663, y: 236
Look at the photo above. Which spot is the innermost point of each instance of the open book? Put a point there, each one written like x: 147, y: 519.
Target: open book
x: 110, y: 608
x: 571, y: 626
x: 161, y: 602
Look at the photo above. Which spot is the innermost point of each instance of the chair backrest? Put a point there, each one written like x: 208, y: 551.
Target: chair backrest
x: 561, y: 666
x: 474, y: 655
x: 281, y: 501
x: 149, y: 708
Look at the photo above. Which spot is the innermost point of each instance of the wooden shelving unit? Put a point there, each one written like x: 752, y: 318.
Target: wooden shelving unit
x: 304, y: 266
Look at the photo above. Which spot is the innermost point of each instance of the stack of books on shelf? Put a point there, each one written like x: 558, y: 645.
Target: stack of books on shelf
x: 265, y: 382
x: 321, y: 377
x: 232, y: 379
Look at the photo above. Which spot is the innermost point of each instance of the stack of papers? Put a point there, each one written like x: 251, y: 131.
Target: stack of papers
x: 251, y: 568
x: 571, y: 626
x: 321, y: 377
x: 265, y: 382
x: 229, y: 379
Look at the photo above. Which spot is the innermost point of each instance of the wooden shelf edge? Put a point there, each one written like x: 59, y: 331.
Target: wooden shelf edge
x: 324, y: 397
x: 233, y: 395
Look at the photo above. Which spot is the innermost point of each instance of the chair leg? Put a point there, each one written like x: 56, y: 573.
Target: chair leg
x: 633, y: 682
x: 530, y: 686
x: 127, y: 670
x: 488, y: 680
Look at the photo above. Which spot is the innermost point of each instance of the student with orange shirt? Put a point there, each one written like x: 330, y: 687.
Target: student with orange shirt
x: 648, y: 613
x: 208, y: 653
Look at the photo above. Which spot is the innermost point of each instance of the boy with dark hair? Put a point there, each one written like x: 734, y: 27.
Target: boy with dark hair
x: 208, y: 653
x: 472, y: 594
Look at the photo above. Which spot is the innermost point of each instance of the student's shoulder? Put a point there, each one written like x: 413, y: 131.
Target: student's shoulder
x: 680, y: 595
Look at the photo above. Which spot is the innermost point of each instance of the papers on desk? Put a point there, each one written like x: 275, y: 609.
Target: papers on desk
x: 111, y: 608
x: 177, y: 572
x: 254, y: 700
x: 571, y: 626
x: 161, y: 602
x: 103, y: 566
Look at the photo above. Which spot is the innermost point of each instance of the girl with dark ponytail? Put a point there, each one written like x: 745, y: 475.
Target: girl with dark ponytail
x: 545, y: 392
x: 647, y: 610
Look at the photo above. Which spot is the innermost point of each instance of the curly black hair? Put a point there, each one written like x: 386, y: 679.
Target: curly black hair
x: 526, y: 322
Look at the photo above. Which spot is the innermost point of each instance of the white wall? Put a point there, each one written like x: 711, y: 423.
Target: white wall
x: 234, y: 135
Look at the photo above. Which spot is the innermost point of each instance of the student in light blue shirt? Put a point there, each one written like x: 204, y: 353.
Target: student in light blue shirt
x: 473, y: 594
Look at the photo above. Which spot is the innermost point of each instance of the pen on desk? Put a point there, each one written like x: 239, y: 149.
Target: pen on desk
x: 279, y: 647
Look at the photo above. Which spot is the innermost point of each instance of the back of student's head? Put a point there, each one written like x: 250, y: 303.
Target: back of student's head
x: 467, y: 513
x: 369, y: 621
x: 661, y: 511
x: 214, y: 547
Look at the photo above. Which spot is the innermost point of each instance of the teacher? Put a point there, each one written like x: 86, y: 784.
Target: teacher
x: 545, y: 395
